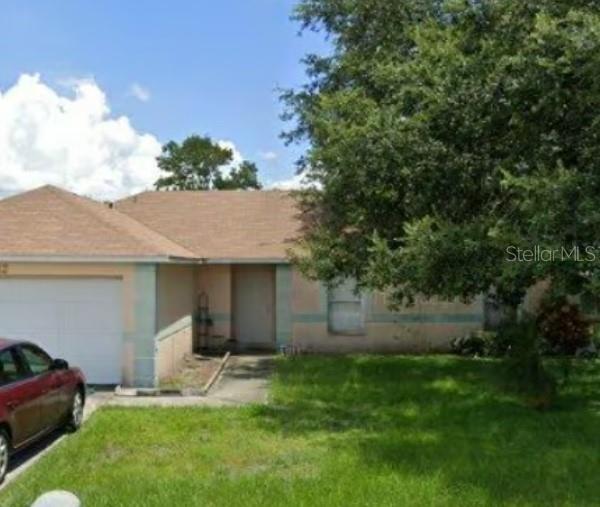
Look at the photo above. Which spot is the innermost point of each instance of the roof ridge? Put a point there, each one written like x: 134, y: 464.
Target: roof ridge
x: 240, y: 191
x: 85, y: 204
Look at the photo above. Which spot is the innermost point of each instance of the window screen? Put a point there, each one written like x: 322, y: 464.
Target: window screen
x: 346, y: 309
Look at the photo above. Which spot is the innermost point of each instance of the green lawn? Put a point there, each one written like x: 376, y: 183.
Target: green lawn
x: 341, y: 431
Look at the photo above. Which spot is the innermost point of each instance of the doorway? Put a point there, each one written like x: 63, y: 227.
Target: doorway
x: 254, y: 306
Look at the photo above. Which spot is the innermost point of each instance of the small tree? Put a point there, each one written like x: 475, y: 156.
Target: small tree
x: 198, y: 163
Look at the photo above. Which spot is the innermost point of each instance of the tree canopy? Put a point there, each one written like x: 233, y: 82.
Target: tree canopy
x: 441, y: 133
x: 198, y: 163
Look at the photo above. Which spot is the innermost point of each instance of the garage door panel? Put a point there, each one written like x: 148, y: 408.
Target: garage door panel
x: 36, y: 315
x: 101, y: 363
x: 45, y: 338
x: 85, y: 344
x: 79, y: 320
x: 95, y: 317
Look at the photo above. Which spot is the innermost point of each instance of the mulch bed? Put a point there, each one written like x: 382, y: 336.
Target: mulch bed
x: 194, y: 372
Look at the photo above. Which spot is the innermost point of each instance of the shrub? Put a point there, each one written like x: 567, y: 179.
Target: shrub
x: 563, y: 326
x: 481, y: 344
x: 469, y: 345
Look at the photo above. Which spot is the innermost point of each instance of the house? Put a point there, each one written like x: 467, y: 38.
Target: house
x: 115, y: 287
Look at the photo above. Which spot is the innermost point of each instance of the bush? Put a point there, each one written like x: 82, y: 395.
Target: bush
x: 520, y: 343
x: 563, y: 326
x: 469, y: 345
x: 481, y: 344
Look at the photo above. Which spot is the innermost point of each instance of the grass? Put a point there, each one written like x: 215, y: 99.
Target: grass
x: 378, y: 431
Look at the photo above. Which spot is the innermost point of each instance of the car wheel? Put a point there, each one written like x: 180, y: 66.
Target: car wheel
x: 76, y: 412
x: 4, y: 454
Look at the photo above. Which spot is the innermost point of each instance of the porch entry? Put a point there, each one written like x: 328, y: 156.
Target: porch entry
x: 254, y: 306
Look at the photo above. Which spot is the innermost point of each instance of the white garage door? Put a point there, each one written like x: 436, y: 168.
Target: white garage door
x: 75, y: 319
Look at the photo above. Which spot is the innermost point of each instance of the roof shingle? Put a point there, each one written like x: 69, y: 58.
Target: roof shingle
x: 49, y: 221
x: 225, y: 225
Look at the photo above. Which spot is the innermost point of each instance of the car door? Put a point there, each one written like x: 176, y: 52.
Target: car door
x: 21, y: 395
x: 39, y: 365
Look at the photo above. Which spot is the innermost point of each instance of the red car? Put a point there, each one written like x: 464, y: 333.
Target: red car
x: 37, y: 395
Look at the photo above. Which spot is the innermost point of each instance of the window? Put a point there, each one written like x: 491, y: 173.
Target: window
x: 10, y: 370
x: 346, y: 309
x: 37, y: 360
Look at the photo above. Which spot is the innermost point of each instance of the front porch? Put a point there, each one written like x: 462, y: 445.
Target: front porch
x: 207, y: 308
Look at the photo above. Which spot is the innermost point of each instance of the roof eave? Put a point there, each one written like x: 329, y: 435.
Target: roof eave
x: 245, y: 260
x: 151, y: 259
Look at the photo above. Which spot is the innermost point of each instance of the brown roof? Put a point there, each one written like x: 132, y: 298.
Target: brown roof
x: 222, y: 225
x: 49, y: 221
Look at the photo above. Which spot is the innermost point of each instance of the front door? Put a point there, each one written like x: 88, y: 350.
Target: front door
x: 254, y: 306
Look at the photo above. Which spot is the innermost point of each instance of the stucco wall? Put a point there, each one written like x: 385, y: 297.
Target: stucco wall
x: 176, y: 300
x: 301, y: 316
x: 138, y: 300
x: 426, y: 326
x: 172, y: 345
x: 176, y: 293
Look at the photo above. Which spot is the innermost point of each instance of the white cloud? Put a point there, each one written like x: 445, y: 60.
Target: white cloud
x: 294, y: 183
x: 139, y: 92
x: 236, y: 159
x: 75, y: 143
x: 268, y: 155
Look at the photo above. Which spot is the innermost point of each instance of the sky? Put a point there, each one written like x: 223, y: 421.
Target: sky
x: 90, y: 90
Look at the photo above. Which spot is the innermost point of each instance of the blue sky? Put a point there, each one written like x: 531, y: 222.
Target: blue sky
x: 208, y: 67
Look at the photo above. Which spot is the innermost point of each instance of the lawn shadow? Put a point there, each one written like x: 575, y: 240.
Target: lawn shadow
x: 446, y: 417
x: 261, y: 368
x: 28, y: 455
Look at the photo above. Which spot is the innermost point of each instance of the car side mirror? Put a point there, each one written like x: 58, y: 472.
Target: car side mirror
x: 59, y: 364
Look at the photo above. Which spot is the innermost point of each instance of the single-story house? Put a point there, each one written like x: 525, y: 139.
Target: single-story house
x: 125, y: 289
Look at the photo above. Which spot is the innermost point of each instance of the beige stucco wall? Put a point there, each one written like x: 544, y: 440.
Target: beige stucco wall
x: 380, y: 338
x: 172, y: 347
x: 176, y: 293
x: 427, y: 326
x: 124, y: 272
x: 176, y: 301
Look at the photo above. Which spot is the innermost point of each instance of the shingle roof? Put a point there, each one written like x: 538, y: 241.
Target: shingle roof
x: 224, y: 225
x: 50, y: 221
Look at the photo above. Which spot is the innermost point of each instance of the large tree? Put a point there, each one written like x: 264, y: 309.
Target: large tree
x: 199, y: 163
x: 443, y: 132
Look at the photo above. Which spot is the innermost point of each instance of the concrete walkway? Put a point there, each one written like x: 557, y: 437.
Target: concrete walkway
x: 244, y: 380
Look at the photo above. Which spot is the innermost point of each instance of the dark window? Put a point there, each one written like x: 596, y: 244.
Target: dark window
x: 10, y: 369
x: 37, y: 360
